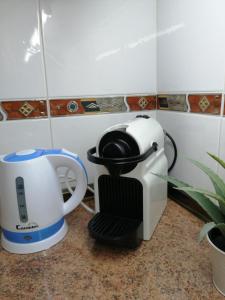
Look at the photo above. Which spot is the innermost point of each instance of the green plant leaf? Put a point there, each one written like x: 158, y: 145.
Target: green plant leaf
x: 216, y: 158
x: 204, y: 192
x: 207, y: 205
x: 205, y: 229
x: 217, y: 182
x: 172, y: 180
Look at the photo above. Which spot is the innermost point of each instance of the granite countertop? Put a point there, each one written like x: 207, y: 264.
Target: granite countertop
x: 172, y: 265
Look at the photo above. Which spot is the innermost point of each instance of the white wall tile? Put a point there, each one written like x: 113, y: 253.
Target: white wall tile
x: 21, y: 135
x: 21, y: 71
x: 191, y: 45
x: 99, y: 47
x: 195, y: 135
x: 80, y: 133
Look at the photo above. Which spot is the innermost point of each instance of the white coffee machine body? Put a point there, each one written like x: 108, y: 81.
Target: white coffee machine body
x: 135, y: 184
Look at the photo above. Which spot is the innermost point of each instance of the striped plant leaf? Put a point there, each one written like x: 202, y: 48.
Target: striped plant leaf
x: 204, y: 192
x: 216, y: 158
x: 207, y: 205
x: 217, y: 181
x: 222, y: 164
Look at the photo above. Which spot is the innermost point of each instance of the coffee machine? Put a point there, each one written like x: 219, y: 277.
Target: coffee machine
x: 129, y: 198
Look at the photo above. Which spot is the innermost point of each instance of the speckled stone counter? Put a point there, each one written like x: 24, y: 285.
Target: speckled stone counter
x: 170, y: 266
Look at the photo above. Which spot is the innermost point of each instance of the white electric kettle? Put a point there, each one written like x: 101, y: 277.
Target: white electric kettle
x: 32, y: 209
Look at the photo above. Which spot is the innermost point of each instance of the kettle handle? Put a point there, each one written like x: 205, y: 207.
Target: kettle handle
x: 64, y: 158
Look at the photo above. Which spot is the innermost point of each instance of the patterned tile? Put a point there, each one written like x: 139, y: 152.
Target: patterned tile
x: 172, y: 102
x: 208, y: 103
x: 137, y: 103
x: 27, y: 109
x: 162, y: 102
x: 64, y: 107
x: 90, y: 105
x: 111, y: 104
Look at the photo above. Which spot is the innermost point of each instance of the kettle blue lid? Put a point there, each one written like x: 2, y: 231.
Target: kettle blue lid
x: 29, y: 154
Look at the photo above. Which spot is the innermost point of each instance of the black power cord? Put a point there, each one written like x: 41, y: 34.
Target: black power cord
x: 175, y: 150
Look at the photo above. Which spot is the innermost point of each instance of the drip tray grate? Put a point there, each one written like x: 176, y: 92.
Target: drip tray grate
x: 115, y: 230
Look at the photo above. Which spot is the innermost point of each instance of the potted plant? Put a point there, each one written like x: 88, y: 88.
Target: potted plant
x: 214, y: 205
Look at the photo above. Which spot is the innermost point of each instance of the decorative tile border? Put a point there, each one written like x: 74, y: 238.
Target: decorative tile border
x: 63, y: 107
x: 111, y: 105
x: 173, y: 102
x: 23, y: 109
x: 66, y: 107
x: 90, y: 105
x: 207, y: 103
x: 137, y: 103
x: 28, y: 109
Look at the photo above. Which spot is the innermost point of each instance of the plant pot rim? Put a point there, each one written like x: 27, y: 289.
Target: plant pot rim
x: 214, y: 246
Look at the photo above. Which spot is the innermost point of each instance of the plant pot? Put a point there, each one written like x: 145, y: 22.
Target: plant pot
x: 217, y: 249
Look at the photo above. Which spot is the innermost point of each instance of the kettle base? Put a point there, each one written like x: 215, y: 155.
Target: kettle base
x: 36, y: 246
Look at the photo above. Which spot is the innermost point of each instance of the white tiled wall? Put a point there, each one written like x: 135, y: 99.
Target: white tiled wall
x: 195, y: 135
x: 191, y: 45
x: 21, y: 67
x: 24, y: 134
x: 191, y: 58
x: 105, y: 47
x: 99, y: 47
x: 54, y: 48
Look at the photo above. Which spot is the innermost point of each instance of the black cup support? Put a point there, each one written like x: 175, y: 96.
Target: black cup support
x: 115, y: 163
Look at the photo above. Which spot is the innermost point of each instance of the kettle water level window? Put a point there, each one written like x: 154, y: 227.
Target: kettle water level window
x: 21, y: 199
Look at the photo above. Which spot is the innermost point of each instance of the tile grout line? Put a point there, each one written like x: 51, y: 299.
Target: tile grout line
x: 188, y: 104
x: 156, y: 55
x: 127, y: 106
x: 222, y: 105
x: 45, y: 70
x: 220, y: 130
